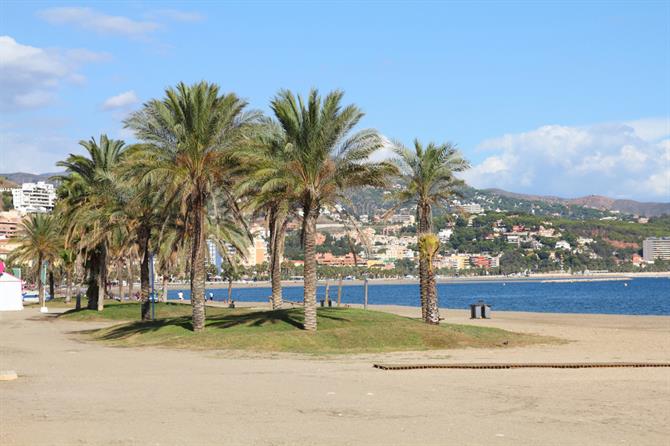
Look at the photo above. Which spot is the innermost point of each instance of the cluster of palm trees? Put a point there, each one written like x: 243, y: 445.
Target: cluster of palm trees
x: 204, y: 165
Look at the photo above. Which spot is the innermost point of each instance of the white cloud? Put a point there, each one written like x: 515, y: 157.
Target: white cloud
x: 626, y: 160
x: 30, y: 76
x: 92, y: 20
x: 177, y: 15
x: 121, y: 101
x: 32, y: 152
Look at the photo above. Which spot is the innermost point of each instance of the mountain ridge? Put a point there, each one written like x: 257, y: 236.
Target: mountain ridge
x: 598, y: 202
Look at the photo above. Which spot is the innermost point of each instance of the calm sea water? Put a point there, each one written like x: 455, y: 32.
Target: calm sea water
x: 641, y: 296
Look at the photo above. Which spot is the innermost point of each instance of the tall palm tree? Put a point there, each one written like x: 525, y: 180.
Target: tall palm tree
x: 91, y: 207
x: 39, y: 241
x: 325, y: 159
x: 261, y: 163
x: 428, y: 178
x: 189, y: 134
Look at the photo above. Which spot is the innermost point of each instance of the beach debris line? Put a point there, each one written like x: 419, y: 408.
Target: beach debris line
x: 540, y: 365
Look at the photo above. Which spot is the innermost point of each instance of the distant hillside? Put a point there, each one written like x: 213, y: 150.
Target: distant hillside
x: 647, y: 209
x: 23, y: 177
x: 6, y: 183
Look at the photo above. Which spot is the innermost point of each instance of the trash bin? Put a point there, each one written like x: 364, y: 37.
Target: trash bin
x: 486, y: 311
x: 475, y: 311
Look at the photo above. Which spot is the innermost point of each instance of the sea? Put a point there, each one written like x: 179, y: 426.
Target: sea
x: 638, y: 296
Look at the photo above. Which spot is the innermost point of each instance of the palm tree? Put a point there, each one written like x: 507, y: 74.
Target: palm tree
x: 189, y: 134
x: 39, y: 241
x: 90, y: 207
x: 428, y: 178
x: 265, y: 195
x: 325, y: 159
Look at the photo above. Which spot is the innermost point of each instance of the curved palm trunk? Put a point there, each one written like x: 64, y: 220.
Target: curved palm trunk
x: 197, y: 275
x: 309, y: 228
x: 145, y: 307
x: 277, y: 238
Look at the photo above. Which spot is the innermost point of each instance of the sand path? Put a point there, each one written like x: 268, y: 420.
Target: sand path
x: 75, y: 393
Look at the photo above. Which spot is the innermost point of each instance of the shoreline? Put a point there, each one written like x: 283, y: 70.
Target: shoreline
x: 547, y: 278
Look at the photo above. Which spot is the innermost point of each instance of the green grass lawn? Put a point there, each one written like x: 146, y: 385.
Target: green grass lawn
x: 340, y: 331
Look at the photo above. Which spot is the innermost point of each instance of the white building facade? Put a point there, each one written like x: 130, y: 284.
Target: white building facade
x: 34, y: 197
x: 656, y: 248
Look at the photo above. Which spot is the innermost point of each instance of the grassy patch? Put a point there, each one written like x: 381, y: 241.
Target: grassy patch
x: 340, y: 331
x: 130, y: 311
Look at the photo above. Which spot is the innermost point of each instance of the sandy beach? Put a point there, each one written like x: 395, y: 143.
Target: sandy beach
x: 75, y: 392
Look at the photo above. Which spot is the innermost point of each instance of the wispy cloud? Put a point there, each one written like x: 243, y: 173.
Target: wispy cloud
x: 176, y: 15
x: 625, y: 160
x: 120, y: 101
x: 31, y: 75
x: 92, y: 20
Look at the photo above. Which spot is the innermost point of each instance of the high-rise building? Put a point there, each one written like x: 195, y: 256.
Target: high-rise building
x: 34, y: 197
x: 656, y: 248
x: 213, y: 255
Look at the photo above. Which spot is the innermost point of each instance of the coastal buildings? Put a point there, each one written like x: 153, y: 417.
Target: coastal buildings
x: 10, y: 222
x: 257, y: 253
x: 34, y: 197
x: 656, y: 248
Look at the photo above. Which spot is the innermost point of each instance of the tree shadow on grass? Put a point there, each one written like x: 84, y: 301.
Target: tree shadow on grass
x: 219, y: 321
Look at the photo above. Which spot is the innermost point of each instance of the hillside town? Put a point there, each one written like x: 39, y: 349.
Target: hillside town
x: 474, y: 241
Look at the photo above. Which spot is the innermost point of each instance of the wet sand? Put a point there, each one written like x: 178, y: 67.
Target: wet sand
x: 74, y: 392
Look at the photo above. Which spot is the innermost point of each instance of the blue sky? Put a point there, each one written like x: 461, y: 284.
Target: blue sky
x: 565, y: 99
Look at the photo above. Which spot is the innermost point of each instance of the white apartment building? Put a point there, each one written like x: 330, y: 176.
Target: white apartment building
x: 656, y: 248
x: 472, y: 208
x: 34, y: 197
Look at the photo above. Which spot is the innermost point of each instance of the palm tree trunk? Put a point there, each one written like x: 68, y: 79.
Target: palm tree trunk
x: 130, y: 277
x: 165, y: 287
x: 277, y: 238
x: 68, y: 285
x: 432, y: 310
x: 119, y: 277
x: 339, y: 291
x: 198, y: 268
x: 52, y: 285
x: 40, y: 285
x: 422, y: 228
x: 93, y: 267
x: 309, y: 229
x: 230, y: 290
x: 145, y: 307
x: 102, y: 278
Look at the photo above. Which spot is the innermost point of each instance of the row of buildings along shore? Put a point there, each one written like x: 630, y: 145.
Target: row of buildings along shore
x: 389, y: 243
